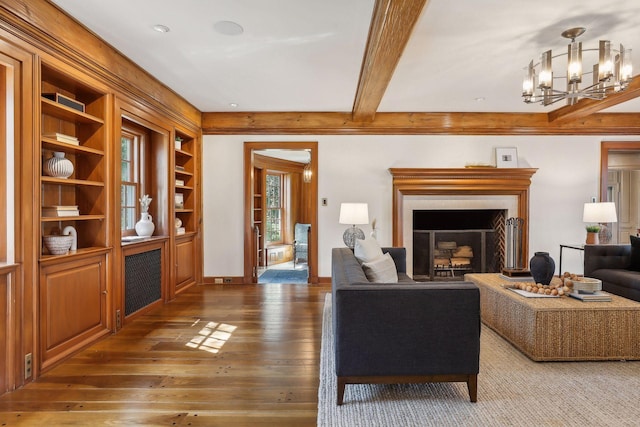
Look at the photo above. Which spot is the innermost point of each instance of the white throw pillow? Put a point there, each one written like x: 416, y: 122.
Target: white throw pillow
x: 381, y: 270
x: 367, y: 250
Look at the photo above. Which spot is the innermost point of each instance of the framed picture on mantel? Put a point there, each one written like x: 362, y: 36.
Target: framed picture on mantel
x: 506, y: 157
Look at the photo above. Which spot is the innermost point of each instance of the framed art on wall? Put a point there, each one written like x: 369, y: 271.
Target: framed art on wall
x: 506, y: 157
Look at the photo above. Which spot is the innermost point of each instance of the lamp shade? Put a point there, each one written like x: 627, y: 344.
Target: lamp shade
x: 354, y: 213
x: 603, y: 212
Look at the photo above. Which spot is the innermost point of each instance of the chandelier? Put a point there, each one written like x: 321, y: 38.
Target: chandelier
x: 612, y: 73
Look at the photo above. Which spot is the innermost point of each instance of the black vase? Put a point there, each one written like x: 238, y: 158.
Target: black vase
x: 542, y: 267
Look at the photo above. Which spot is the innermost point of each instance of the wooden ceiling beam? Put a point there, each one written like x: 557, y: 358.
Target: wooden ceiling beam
x: 336, y: 123
x: 586, y: 107
x: 391, y: 26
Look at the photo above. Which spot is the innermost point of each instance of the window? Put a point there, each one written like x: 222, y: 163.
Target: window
x: 274, y: 208
x: 132, y: 187
x: 128, y: 181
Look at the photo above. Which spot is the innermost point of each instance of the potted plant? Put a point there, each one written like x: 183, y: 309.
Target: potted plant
x: 592, y: 234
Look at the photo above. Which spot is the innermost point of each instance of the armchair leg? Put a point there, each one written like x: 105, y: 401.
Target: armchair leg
x: 341, y: 385
x: 472, y: 385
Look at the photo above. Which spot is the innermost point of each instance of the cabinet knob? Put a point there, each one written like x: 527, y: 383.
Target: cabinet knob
x: 104, y: 292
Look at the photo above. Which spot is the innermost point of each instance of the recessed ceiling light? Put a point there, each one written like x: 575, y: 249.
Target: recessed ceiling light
x: 161, y: 28
x: 479, y: 99
x: 233, y: 105
x: 228, y: 28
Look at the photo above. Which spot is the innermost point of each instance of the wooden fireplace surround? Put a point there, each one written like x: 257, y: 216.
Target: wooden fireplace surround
x: 462, y: 181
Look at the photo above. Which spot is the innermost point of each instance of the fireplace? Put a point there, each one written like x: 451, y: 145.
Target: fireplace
x: 504, y: 190
x: 447, y: 244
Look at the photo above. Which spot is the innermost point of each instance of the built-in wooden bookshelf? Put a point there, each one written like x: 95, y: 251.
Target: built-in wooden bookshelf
x: 86, y: 187
x: 72, y: 287
x: 186, y: 209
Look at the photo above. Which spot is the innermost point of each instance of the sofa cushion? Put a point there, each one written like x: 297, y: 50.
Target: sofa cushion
x: 367, y: 250
x: 381, y: 270
x: 634, y: 259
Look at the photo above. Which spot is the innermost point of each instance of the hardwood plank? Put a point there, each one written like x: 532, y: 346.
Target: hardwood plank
x: 265, y: 373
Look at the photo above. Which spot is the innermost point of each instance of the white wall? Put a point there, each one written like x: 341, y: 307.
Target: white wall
x: 355, y: 169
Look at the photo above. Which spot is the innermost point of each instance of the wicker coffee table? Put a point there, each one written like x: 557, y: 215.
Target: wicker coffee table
x: 560, y: 328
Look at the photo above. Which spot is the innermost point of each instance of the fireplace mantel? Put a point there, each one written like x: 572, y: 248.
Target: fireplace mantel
x: 462, y: 181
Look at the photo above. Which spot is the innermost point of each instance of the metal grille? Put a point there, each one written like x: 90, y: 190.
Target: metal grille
x: 142, y: 280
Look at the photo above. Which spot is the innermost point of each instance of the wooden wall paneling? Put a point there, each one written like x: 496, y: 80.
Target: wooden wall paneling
x: 22, y: 75
x: 42, y: 25
x: 339, y: 123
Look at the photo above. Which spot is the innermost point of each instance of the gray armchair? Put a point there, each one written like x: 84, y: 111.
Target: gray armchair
x: 301, y: 243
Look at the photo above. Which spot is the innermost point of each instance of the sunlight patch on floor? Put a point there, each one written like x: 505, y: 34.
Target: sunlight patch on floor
x: 211, y: 337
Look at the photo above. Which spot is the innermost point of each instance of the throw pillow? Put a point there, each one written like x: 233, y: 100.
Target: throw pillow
x: 381, y: 270
x: 634, y: 258
x: 367, y: 250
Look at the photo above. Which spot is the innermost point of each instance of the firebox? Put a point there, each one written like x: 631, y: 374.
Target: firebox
x: 447, y: 244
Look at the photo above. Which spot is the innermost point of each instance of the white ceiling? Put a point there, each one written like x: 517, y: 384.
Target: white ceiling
x: 305, y: 55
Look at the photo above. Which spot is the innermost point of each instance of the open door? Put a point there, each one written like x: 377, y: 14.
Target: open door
x: 255, y: 250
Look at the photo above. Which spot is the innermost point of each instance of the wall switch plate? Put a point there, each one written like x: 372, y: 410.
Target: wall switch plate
x: 217, y: 280
x: 324, y: 201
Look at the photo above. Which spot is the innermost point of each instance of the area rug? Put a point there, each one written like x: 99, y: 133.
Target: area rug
x: 512, y: 391
x: 284, y: 276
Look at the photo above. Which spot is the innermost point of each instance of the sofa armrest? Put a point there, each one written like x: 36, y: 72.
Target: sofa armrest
x: 417, y: 329
x: 597, y: 257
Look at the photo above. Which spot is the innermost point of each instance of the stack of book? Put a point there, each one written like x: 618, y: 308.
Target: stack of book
x: 60, y: 210
x: 591, y: 296
x: 180, y: 230
x: 61, y: 137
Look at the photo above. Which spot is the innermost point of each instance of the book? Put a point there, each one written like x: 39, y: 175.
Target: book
x: 61, y: 137
x: 65, y: 100
x: 57, y: 213
x: 598, y: 296
x: 180, y: 182
x: 516, y: 278
x: 62, y: 207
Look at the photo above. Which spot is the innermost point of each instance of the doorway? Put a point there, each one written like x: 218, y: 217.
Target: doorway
x: 620, y: 183
x: 280, y: 227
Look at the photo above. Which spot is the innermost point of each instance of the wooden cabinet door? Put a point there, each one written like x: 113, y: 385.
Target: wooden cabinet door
x: 185, y: 262
x: 73, y: 307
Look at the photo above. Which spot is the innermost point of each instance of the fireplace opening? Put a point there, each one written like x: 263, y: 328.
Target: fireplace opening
x: 447, y: 244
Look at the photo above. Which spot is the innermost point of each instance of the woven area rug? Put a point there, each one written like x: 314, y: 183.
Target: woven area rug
x: 284, y: 276
x: 512, y: 391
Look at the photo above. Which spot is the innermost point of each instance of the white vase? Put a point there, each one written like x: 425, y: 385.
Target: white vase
x: 145, y: 226
x: 58, y: 166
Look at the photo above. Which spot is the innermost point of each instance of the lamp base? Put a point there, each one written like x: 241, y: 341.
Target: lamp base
x: 350, y: 235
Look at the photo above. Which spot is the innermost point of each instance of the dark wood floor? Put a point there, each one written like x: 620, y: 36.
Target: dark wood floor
x: 216, y: 356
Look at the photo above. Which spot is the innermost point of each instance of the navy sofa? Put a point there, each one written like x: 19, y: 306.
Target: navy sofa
x: 610, y: 263
x: 407, y: 332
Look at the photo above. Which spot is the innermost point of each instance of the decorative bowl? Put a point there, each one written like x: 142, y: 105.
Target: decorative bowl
x: 57, y: 245
x: 587, y: 285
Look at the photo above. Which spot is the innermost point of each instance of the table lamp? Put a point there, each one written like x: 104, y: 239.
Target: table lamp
x: 601, y: 214
x: 353, y: 214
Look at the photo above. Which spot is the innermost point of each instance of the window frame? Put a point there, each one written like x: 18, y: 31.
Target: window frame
x: 280, y: 208
x: 138, y: 136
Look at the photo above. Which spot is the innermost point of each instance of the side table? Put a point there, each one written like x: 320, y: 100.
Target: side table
x: 579, y: 247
